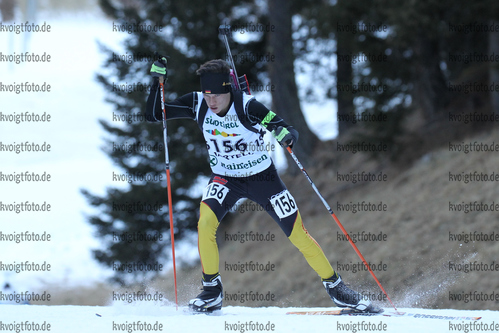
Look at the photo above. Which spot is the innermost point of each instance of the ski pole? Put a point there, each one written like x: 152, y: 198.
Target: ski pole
x: 167, y: 165
x: 338, y: 223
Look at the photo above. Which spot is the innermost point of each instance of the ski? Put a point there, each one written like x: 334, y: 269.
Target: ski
x: 351, y: 312
x: 427, y: 316
x: 341, y: 312
x: 187, y: 311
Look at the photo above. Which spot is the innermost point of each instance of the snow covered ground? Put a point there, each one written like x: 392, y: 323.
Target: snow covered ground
x: 156, y: 318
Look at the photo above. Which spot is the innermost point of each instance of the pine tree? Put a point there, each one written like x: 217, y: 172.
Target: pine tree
x: 414, y: 70
x: 189, y: 36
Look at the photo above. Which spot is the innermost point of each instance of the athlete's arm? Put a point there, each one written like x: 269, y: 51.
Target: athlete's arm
x: 258, y: 113
x: 182, y: 107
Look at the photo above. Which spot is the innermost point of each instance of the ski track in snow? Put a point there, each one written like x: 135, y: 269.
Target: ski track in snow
x: 122, y: 317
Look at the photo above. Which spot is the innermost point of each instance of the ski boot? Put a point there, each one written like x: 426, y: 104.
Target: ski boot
x: 211, y: 298
x: 345, y: 297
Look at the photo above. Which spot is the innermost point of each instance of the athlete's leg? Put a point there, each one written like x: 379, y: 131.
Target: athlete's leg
x: 310, y: 249
x: 207, y: 243
x: 267, y: 189
x: 218, y: 197
x: 280, y: 204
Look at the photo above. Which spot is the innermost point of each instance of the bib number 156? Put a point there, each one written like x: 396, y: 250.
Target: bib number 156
x: 284, y: 204
x: 215, y: 191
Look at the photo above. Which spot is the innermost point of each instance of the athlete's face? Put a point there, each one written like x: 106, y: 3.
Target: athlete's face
x: 218, y: 103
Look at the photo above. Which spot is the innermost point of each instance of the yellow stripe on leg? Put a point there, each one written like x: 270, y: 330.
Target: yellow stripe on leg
x: 207, y: 242
x: 310, y: 249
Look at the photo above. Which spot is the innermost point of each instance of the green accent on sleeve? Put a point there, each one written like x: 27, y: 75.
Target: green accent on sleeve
x: 267, y: 119
x: 280, y: 136
x: 157, y: 69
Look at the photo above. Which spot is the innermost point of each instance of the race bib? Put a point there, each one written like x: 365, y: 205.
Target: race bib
x: 215, y: 191
x: 284, y: 204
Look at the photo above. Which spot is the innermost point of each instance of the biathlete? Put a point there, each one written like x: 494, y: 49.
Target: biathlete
x: 233, y: 124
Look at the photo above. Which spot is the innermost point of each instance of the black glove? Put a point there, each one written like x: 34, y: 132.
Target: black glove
x: 159, y: 67
x: 285, y: 136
